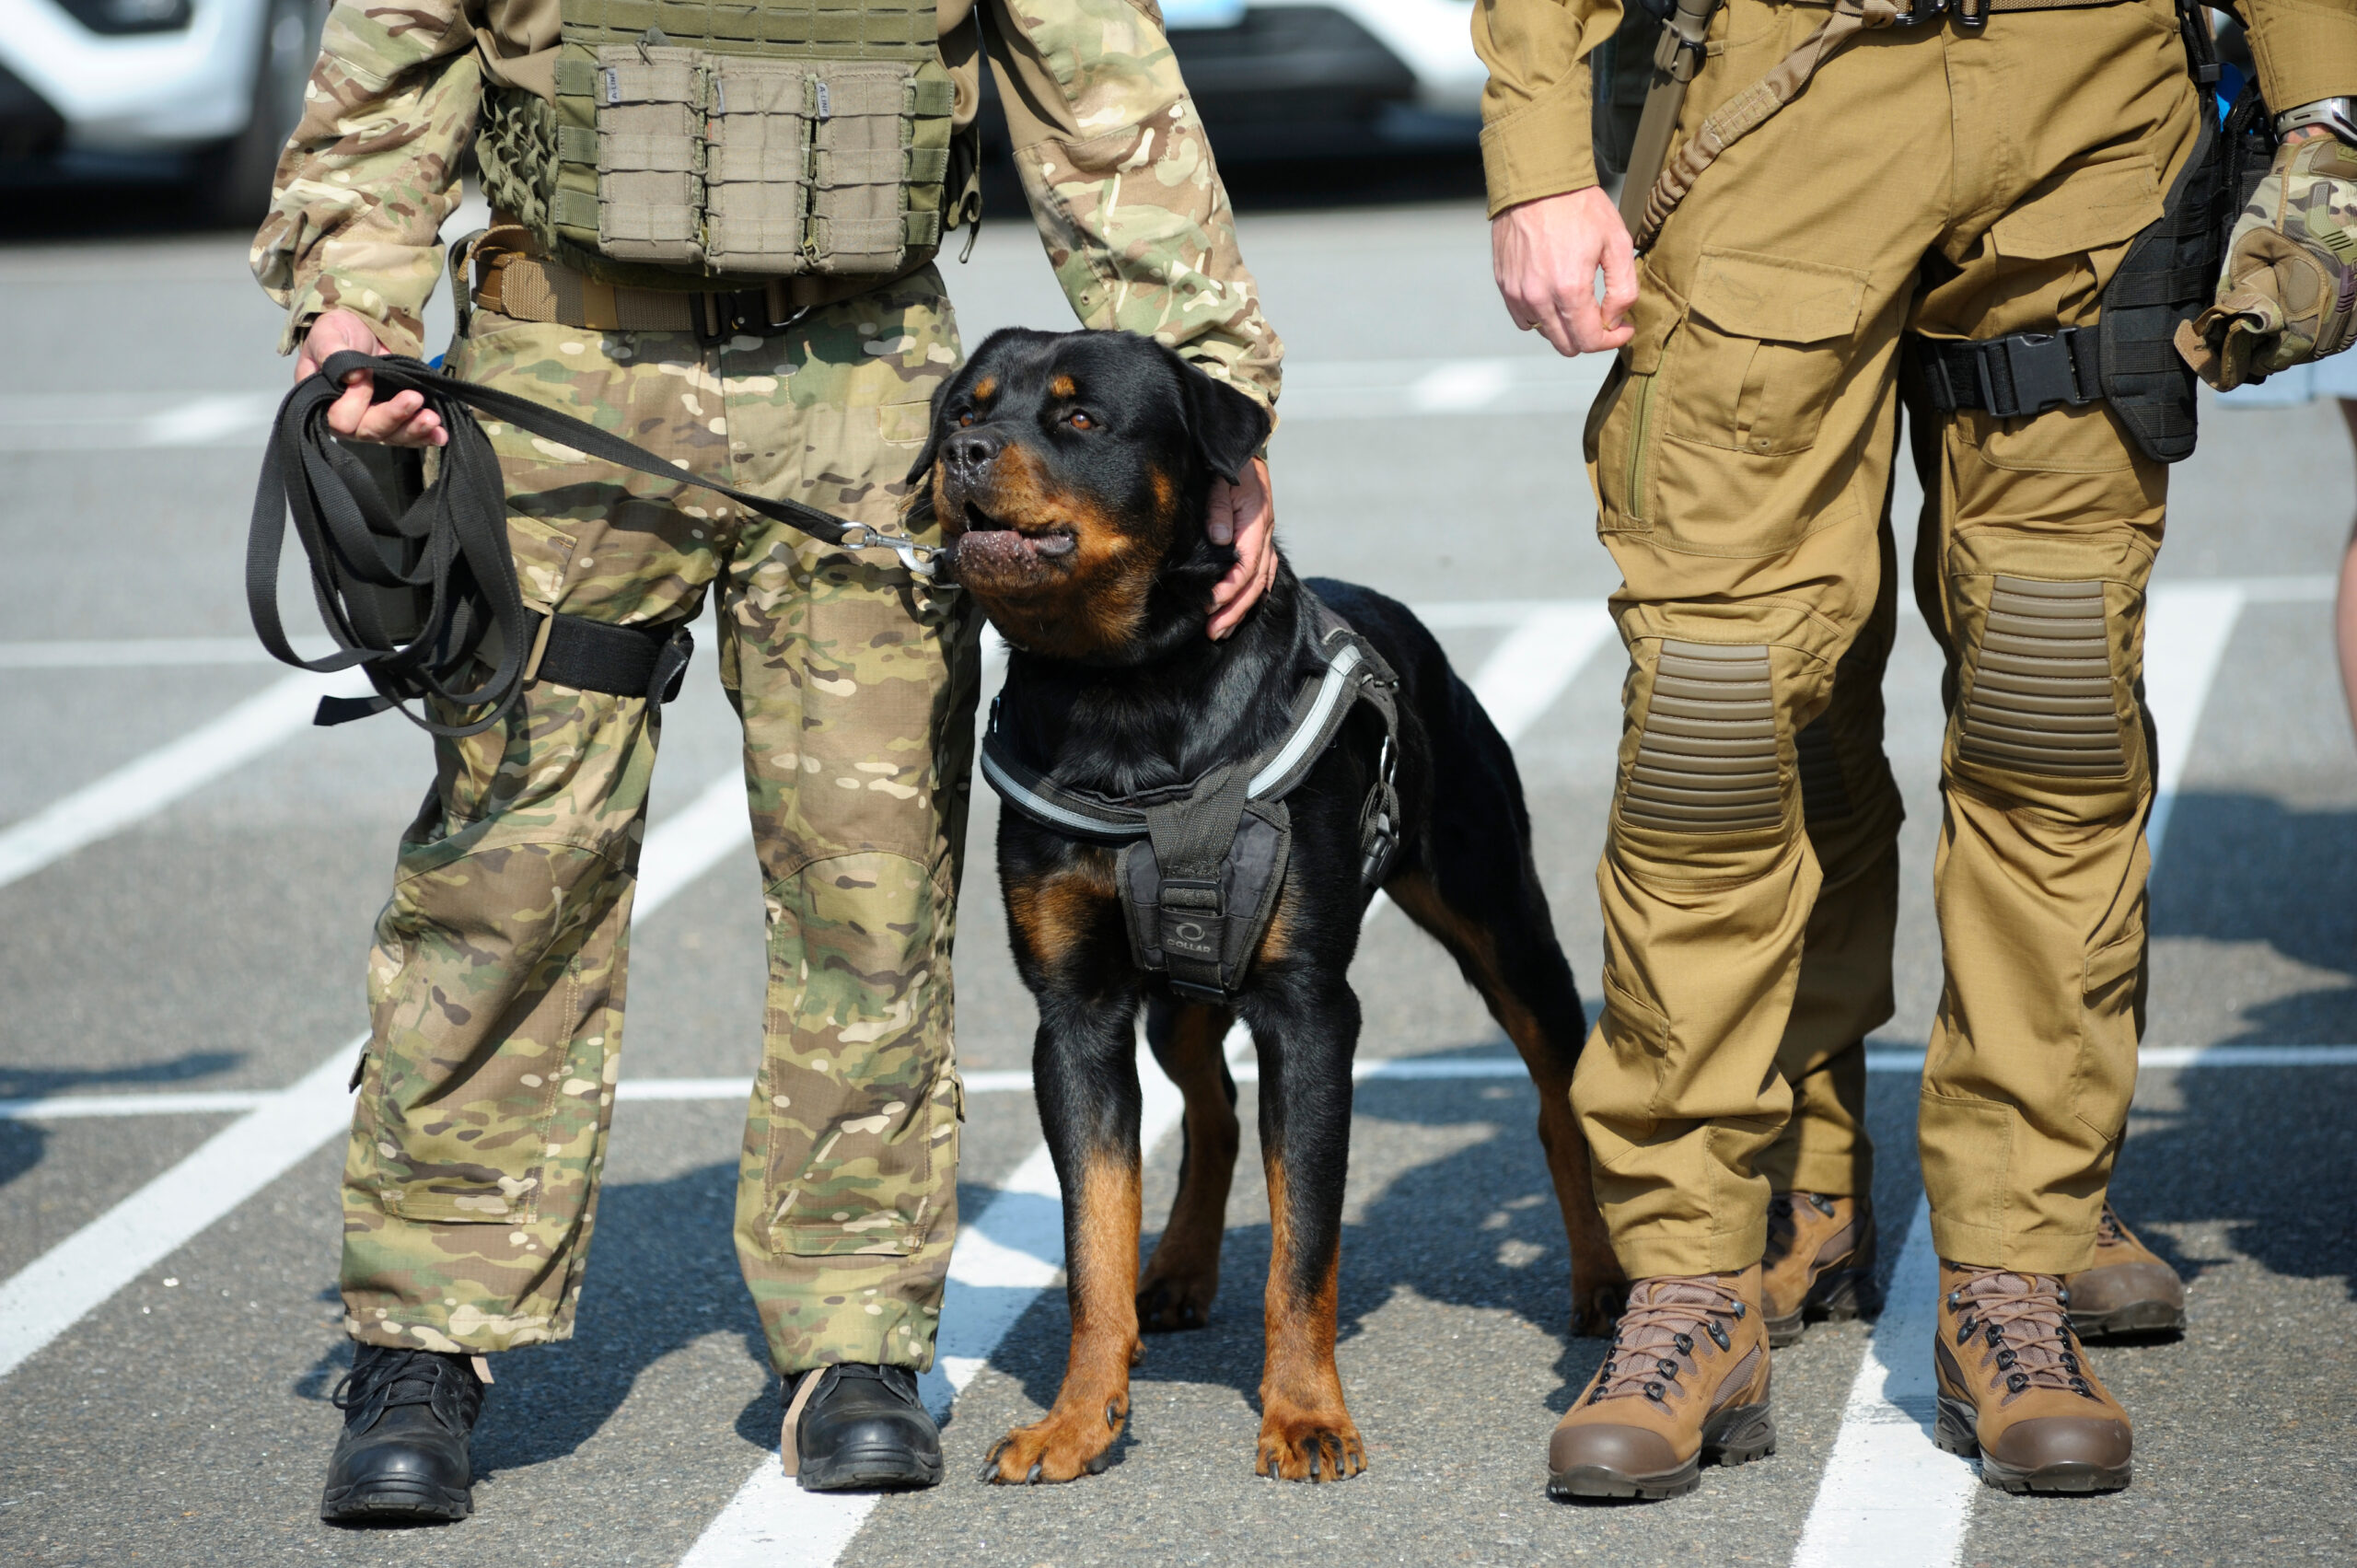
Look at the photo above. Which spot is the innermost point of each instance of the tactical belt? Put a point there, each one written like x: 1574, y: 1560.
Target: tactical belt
x: 2011, y: 377
x: 1200, y: 865
x: 510, y: 280
x: 416, y: 582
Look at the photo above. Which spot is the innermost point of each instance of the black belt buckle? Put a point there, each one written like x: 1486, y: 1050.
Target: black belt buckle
x: 2043, y: 370
x: 720, y: 317
x: 1921, y: 11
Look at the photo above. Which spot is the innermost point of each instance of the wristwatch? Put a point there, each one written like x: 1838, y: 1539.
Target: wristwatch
x: 2338, y: 115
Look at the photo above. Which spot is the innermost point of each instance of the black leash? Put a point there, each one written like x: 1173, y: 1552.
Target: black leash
x: 420, y: 592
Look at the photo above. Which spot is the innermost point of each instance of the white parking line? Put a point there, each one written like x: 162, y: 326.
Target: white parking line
x: 1014, y: 1250
x: 143, y: 788
x: 2187, y: 628
x: 1889, y: 1494
x: 54, y: 1291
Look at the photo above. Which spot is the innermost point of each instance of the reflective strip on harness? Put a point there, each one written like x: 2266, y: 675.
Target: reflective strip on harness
x: 1201, y: 865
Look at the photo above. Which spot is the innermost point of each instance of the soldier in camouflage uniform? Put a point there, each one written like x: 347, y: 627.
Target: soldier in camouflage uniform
x: 497, y: 983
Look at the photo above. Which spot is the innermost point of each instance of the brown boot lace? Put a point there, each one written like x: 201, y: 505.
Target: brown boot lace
x: 2020, y: 1320
x: 2107, y: 1233
x: 1783, y: 1222
x: 1670, y: 1325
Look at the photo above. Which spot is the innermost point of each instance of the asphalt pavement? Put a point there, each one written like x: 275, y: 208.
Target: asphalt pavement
x: 212, y: 945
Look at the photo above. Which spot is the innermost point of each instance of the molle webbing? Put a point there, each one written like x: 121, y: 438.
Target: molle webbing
x: 2040, y: 699
x: 1706, y: 760
x: 694, y: 143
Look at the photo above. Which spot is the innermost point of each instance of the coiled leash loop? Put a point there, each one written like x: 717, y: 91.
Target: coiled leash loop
x: 420, y: 592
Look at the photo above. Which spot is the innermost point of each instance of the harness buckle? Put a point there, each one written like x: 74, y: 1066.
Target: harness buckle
x: 1921, y: 11
x: 720, y: 317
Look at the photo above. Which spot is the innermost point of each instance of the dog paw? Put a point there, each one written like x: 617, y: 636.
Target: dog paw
x: 1597, y: 1306
x: 1065, y: 1446
x: 1310, y: 1448
x: 1176, y: 1303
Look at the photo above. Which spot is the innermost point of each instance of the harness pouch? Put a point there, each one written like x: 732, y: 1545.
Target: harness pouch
x: 650, y: 104
x: 757, y: 166
x: 1202, y: 932
x: 863, y: 154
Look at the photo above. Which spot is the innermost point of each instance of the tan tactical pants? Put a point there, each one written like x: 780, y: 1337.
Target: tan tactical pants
x: 496, y: 985
x: 1963, y: 184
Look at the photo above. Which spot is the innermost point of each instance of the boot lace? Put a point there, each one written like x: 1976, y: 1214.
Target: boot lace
x: 382, y: 1378
x: 1784, y: 1225
x: 2023, y: 1332
x: 2107, y: 1232
x: 1671, y: 1325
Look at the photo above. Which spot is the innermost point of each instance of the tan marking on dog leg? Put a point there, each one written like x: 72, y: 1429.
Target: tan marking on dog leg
x: 1182, y: 1276
x: 1095, y: 1400
x: 1307, y: 1432
x: 1599, y: 1287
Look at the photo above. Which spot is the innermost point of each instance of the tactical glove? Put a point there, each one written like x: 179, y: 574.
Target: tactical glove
x: 2289, y: 292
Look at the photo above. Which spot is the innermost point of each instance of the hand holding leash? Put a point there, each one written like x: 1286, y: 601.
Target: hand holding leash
x: 402, y: 420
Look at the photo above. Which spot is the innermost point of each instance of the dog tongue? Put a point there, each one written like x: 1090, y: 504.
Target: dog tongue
x: 994, y: 546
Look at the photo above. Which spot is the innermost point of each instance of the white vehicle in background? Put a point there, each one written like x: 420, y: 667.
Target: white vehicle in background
x: 1295, y: 78
x: 201, y: 90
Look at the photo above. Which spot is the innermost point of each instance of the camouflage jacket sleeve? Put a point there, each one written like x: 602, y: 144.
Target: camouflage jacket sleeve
x: 2305, y: 49
x: 371, y: 170
x: 1120, y: 178
x: 1536, y: 139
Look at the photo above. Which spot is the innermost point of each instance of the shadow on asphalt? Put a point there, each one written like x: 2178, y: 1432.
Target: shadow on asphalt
x: 2246, y: 868
x: 23, y: 1144
x: 2281, y: 1196
x: 662, y: 1274
x: 1477, y: 1227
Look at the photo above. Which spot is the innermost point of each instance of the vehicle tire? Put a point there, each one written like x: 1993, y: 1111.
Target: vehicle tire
x: 233, y: 178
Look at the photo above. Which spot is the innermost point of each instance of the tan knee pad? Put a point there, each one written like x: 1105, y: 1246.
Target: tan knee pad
x: 1707, y: 757
x: 2039, y: 699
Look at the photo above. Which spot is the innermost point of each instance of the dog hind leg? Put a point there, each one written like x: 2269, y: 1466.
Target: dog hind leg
x: 1487, y: 908
x: 1181, y: 1278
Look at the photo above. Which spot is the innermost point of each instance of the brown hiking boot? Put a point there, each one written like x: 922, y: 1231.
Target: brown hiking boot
x: 1686, y: 1381
x: 2014, y: 1388
x: 1820, y: 1262
x: 2128, y: 1293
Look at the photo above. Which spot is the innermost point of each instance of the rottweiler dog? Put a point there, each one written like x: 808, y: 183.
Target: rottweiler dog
x: 1070, y: 472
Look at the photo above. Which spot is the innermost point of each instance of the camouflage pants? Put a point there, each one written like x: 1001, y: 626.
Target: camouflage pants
x: 496, y: 985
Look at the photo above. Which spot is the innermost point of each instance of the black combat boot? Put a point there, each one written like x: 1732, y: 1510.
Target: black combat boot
x: 402, y: 1457
x: 861, y: 1427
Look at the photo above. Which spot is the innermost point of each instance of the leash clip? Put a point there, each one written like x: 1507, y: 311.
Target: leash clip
x: 919, y: 559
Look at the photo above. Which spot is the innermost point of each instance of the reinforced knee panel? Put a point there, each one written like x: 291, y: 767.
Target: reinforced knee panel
x: 1706, y: 757
x: 2039, y: 699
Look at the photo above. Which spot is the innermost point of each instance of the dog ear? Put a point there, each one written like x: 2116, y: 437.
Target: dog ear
x: 1227, y: 427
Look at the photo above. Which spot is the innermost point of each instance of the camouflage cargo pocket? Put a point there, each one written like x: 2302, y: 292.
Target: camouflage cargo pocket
x: 496, y: 1002
x: 857, y: 1107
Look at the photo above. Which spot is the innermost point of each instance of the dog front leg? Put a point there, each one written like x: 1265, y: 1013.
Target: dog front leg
x: 1086, y: 1078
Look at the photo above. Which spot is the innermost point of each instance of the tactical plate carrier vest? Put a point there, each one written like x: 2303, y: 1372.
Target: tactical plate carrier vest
x: 695, y: 143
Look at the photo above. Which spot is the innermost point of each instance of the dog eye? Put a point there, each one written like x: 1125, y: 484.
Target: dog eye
x: 1079, y: 421
x: 963, y: 420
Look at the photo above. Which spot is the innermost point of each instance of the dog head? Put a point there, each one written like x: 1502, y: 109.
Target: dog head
x: 1070, y: 472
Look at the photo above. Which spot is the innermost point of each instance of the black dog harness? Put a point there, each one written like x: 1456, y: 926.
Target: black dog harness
x: 1201, y: 864
x: 416, y: 582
